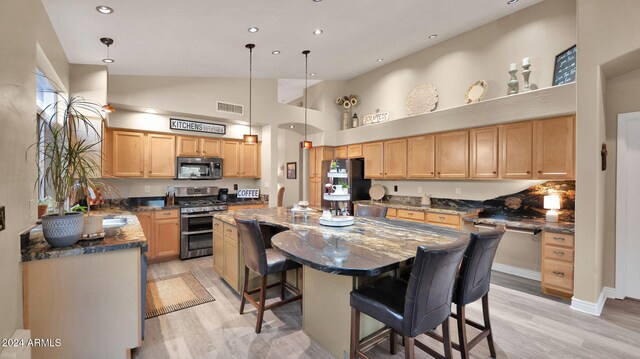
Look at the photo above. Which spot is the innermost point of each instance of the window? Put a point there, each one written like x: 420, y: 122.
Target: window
x: 46, y: 99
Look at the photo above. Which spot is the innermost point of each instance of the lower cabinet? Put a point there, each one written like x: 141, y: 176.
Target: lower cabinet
x: 162, y: 230
x: 453, y: 221
x: 557, y: 264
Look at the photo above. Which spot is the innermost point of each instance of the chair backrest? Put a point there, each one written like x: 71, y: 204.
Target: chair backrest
x: 280, y: 196
x: 428, y: 296
x: 474, y: 277
x: 364, y: 210
x: 253, y: 246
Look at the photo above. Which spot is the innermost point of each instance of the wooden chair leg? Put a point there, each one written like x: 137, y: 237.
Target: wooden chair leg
x: 283, y: 279
x: 392, y: 342
x: 446, y: 339
x: 462, y: 332
x: 299, y: 274
x: 263, y: 299
x: 355, y: 334
x: 487, y: 324
x: 409, y: 348
x: 243, y: 300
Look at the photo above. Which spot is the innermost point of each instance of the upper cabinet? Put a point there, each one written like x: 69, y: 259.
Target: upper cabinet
x: 373, y: 153
x: 250, y: 160
x: 395, y: 158
x: 188, y: 146
x: 421, y: 157
x: 555, y: 148
x: 199, y: 146
x: 128, y: 154
x: 210, y: 147
x: 341, y: 152
x: 231, y: 158
x: 354, y: 151
x: 452, y: 154
x: 316, y: 156
x: 240, y: 159
x: 484, y: 152
x: 516, y: 147
x: 162, y: 154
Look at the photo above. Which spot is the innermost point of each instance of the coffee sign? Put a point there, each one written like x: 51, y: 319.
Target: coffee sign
x: 196, y: 126
x: 248, y: 193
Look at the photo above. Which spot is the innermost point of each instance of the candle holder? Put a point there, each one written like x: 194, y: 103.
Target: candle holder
x: 525, y: 73
x: 513, y: 83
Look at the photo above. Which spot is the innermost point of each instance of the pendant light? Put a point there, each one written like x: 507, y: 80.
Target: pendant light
x: 250, y: 138
x: 107, y: 41
x: 305, y: 143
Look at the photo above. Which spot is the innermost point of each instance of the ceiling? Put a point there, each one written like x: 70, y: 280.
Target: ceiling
x: 207, y: 37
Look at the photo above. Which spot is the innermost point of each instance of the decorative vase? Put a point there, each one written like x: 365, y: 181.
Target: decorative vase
x: 355, y: 121
x: 92, y: 225
x: 42, y: 210
x: 513, y: 82
x: 61, y: 231
x: 525, y: 74
x: 345, y: 119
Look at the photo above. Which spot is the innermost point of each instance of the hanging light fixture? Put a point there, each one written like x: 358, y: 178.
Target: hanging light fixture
x: 250, y: 138
x: 107, y: 41
x: 305, y: 143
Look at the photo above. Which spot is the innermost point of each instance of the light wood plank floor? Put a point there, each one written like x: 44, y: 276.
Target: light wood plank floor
x: 525, y: 326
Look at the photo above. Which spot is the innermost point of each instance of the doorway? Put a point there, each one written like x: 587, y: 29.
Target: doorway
x: 627, y: 210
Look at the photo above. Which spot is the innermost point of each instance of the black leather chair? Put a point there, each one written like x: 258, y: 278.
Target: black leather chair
x: 263, y: 261
x: 410, y: 308
x: 363, y: 210
x: 473, y: 283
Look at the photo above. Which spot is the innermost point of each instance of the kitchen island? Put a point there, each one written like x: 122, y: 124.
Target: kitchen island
x: 338, y: 259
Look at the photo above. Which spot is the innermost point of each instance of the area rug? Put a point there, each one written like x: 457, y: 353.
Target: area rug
x: 175, y: 292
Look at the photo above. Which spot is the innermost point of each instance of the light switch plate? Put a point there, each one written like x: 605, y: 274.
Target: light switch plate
x: 2, y: 219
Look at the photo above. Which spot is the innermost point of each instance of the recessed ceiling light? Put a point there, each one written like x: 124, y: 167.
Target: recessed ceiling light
x: 149, y: 110
x: 380, y: 60
x: 104, y: 9
x: 317, y: 0
x: 312, y: 74
x: 276, y: 52
x: 511, y: 2
x: 433, y: 36
x: 317, y: 31
x: 253, y: 29
x: 292, y: 126
x: 108, y: 61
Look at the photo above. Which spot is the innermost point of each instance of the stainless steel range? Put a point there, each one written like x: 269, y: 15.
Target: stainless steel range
x: 197, y: 204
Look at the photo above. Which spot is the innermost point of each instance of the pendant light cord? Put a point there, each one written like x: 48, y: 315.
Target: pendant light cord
x: 250, y: 84
x: 306, y: 76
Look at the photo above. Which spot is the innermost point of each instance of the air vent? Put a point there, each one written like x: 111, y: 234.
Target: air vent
x: 230, y: 108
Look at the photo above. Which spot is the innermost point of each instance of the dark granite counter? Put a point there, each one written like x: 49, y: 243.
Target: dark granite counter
x: 244, y: 202
x: 152, y: 208
x: 117, y: 238
x: 370, y: 247
x: 460, y: 211
x: 534, y: 224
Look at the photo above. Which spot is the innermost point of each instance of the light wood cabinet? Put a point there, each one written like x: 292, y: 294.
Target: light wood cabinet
x: 316, y: 156
x: 198, y: 146
x: 231, y: 158
x: 484, y: 152
x: 240, y: 159
x: 557, y: 264
x: 421, y: 153
x: 107, y: 152
x: 414, y: 216
x: 555, y: 148
x: 395, y: 158
x: 354, y: 151
x: 161, y: 155
x: 218, y: 246
x: 210, y: 147
x: 516, y: 146
x: 145, y: 219
x: 249, y: 160
x: 452, y: 154
x: 315, y: 192
x: 231, y: 256
x: 162, y: 230
x: 373, y: 159
x: 341, y: 152
x: 128, y: 156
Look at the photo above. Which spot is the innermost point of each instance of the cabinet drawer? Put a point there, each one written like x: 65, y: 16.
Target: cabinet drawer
x: 230, y: 232
x: 167, y: 214
x: 392, y: 213
x: 558, y: 253
x: 558, y: 239
x: 438, y: 218
x: 411, y: 215
x: 354, y: 151
x: 218, y: 226
x: 558, y: 274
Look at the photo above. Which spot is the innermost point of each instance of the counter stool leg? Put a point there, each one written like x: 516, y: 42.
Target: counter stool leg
x: 243, y: 300
x: 462, y: 331
x: 487, y: 324
x: 283, y: 279
x: 263, y: 299
x: 446, y: 339
x: 392, y: 342
x: 355, y: 334
x: 409, y: 348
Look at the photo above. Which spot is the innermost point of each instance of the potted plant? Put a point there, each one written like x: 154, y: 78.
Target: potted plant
x: 70, y: 162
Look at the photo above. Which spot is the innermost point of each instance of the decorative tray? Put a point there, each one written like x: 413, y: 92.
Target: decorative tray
x: 338, y: 221
x: 92, y: 237
x: 302, y: 210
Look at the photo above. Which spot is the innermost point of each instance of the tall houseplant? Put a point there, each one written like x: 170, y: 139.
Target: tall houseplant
x: 70, y: 162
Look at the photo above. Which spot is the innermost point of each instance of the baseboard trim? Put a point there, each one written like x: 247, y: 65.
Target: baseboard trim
x: 593, y: 308
x: 520, y: 272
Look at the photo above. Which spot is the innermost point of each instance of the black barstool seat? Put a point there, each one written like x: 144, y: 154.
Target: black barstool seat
x: 277, y: 262
x: 383, y: 299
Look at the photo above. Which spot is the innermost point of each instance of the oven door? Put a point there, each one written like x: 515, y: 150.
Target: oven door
x: 196, y: 235
x: 194, y: 168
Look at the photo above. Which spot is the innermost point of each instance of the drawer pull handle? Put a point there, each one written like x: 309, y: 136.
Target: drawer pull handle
x: 409, y: 213
x: 558, y: 253
x: 442, y: 217
x: 558, y: 238
x: 558, y: 274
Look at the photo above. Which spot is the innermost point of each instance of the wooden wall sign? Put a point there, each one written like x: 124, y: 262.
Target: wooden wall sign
x: 375, y: 118
x: 196, y: 126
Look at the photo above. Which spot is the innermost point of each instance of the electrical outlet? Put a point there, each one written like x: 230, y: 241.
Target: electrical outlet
x: 458, y: 190
x: 395, y: 188
x: 235, y: 186
x: 2, y: 219
x: 419, y: 189
x: 147, y: 189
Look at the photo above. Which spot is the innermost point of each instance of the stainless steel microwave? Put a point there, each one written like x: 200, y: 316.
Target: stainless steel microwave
x: 199, y: 168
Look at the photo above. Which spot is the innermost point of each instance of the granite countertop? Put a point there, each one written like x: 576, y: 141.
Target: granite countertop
x: 152, y: 208
x: 370, y: 247
x: 459, y: 211
x: 535, y: 224
x: 117, y: 238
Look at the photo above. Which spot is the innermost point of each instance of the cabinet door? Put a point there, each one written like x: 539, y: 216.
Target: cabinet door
x: 312, y: 162
x: 316, y: 191
x: 395, y: 158
x: 421, y: 153
x: 147, y: 228
x: 210, y: 147
x: 167, y: 237
x: 231, y: 158
x: 341, y: 152
x: 484, y: 152
x: 162, y: 156
x: 218, y: 246
x: 188, y: 146
x: 516, y: 146
x: 555, y: 148
x: 322, y: 154
x: 249, y: 160
x: 373, y: 159
x: 354, y: 151
x: 107, y: 152
x: 231, y: 256
x: 452, y: 154
x: 128, y: 154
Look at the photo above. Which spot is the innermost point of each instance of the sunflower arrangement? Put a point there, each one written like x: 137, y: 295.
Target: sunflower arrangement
x: 347, y: 101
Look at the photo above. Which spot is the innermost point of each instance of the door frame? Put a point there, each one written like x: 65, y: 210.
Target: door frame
x: 621, y: 203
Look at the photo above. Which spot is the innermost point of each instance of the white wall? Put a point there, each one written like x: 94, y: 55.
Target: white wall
x: 289, y: 151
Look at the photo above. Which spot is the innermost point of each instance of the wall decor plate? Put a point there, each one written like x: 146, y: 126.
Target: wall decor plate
x: 422, y: 99
x: 476, y: 92
x: 376, y: 192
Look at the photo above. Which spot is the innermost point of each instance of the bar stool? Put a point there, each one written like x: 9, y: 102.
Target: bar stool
x: 410, y: 308
x: 473, y: 283
x: 263, y: 261
x: 364, y: 210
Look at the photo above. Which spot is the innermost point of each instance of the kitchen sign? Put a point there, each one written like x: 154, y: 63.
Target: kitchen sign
x: 248, y: 193
x: 195, y: 126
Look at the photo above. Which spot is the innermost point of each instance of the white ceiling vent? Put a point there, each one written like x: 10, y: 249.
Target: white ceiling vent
x: 230, y: 108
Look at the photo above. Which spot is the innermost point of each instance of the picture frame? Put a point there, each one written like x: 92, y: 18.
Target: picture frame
x: 292, y: 170
x: 564, y: 69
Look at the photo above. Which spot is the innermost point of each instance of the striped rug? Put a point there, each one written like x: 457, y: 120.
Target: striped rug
x: 175, y: 292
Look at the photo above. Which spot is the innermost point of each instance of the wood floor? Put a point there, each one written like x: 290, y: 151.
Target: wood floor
x: 525, y: 326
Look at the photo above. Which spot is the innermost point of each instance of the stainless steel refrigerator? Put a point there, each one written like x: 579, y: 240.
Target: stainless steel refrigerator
x: 349, y: 172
